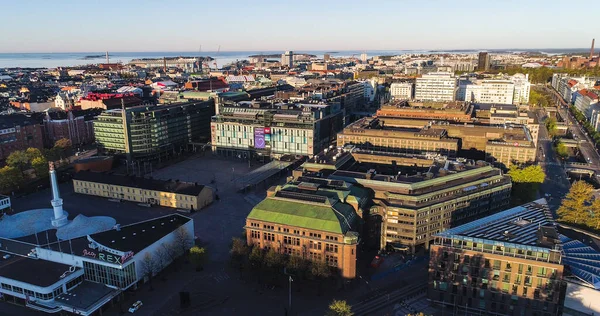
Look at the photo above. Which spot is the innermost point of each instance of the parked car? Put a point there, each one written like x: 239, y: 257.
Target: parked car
x: 135, y: 306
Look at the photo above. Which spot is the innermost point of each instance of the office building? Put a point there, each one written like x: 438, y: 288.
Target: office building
x: 508, y: 263
x: 502, y: 145
x: 19, y: 132
x: 154, y: 132
x: 374, y: 133
x: 287, y: 59
x: 363, y: 57
x: 250, y: 129
x: 483, y: 61
x: 171, y: 193
x: 108, y: 101
x: 490, y: 91
x: 444, y: 111
x: 316, y: 219
x: 401, y: 90
x: 584, y: 101
x: 522, y: 88
x: 436, y: 86
x: 414, y: 196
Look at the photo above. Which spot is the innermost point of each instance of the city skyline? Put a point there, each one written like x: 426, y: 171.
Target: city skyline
x: 271, y: 26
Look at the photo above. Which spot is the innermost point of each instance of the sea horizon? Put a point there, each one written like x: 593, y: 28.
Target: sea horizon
x: 75, y: 59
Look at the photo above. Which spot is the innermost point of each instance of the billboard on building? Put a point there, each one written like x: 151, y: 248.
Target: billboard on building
x: 259, y: 137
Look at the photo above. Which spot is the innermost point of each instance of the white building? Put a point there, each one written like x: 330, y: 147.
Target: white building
x: 401, y: 90
x: 287, y: 59
x: 522, y: 88
x: 363, y: 57
x: 370, y: 89
x: 490, y: 91
x: 4, y: 203
x: 436, y: 86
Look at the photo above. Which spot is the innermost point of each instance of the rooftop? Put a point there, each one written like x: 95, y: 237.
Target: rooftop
x: 185, y: 188
x: 308, y: 206
x: 21, y: 269
x: 519, y: 226
x: 137, y: 236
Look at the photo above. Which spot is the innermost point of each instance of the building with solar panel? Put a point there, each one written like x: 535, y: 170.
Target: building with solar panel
x: 509, y: 263
x: 315, y: 219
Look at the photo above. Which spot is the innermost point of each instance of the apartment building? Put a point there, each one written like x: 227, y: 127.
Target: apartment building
x: 316, y: 219
x: 508, y: 263
x: 152, y: 132
x: 19, y: 132
x: 402, y: 90
x: 483, y: 61
x: 250, y: 129
x: 522, y: 88
x: 584, y: 100
x: 436, y: 86
x: 175, y: 194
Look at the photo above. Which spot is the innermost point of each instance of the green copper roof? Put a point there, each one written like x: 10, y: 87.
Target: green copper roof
x: 335, y: 219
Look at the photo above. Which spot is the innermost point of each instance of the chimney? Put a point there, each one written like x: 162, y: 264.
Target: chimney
x: 592, y: 49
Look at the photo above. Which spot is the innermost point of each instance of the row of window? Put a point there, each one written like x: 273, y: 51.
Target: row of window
x: 295, y: 231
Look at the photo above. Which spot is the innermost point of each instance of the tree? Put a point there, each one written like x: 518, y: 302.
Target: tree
x: 40, y: 165
x: 551, y: 126
x: 183, y: 240
x: 10, y: 178
x: 256, y: 256
x: 239, y: 252
x: 198, y: 256
x: 526, y: 182
x: 273, y: 259
x: 320, y: 270
x: 64, y: 144
x: 595, y: 214
x: 339, y: 308
x: 18, y: 159
x: 573, y: 208
x: 296, y: 264
x: 149, y: 267
x: 170, y: 250
x: 562, y: 151
x: 33, y: 153
x: 162, y: 257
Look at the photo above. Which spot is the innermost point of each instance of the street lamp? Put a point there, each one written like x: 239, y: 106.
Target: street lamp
x: 290, y: 280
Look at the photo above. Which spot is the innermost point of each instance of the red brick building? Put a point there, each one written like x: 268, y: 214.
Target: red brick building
x: 19, y: 132
x: 75, y: 126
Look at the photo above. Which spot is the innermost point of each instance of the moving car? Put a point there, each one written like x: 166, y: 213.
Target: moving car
x: 135, y: 306
x: 377, y: 261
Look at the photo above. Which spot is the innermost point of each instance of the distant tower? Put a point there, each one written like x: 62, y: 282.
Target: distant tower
x: 592, y: 49
x: 287, y: 59
x: 60, y: 218
x: 483, y: 62
x: 363, y: 57
x: 107, y: 60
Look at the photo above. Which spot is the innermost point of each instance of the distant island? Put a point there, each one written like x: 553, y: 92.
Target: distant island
x: 92, y: 57
x: 279, y: 55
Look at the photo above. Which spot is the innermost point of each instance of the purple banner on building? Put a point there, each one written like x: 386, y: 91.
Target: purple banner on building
x: 259, y: 137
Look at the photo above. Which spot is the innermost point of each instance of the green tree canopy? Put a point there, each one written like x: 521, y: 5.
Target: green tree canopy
x: 574, y: 207
x: 10, y: 178
x: 273, y: 259
x: 40, y: 165
x: 18, y: 159
x: 551, y: 126
x: 595, y: 214
x: 33, y: 153
x: 63, y: 143
x: 528, y: 174
x: 256, y: 255
x: 198, y: 256
x: 562, y: 151
x: 339, y: 308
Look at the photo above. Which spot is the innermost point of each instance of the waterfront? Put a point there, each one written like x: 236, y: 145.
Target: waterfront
x: 52, y: 60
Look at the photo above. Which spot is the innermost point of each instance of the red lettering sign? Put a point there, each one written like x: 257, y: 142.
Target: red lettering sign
x: 127, y: 256
x: 267, y: 130
x: 89, y: 253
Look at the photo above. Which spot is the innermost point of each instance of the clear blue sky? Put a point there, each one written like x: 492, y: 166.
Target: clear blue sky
x: 260, y: 25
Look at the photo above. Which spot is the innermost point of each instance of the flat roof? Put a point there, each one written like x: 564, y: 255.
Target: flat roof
x: 185, y: 188
x: 138, y: 236
x: 32, y: 271
x: 85, y: 295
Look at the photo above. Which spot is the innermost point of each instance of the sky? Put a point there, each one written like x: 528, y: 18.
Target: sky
x: 264, y: 25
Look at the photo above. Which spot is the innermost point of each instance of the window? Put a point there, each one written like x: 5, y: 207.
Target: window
x: 314, y: 235
x: 269, y: 227
x: 314, y: 245
x: 313, y: 256
x: 331, y: 260
x: 269, y: 236
x: 331, y: 238
x: 255, y: 225
x: 255, y: 234
x: 331, y: 248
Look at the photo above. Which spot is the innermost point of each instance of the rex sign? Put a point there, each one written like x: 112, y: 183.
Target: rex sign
x: 108, y: 257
